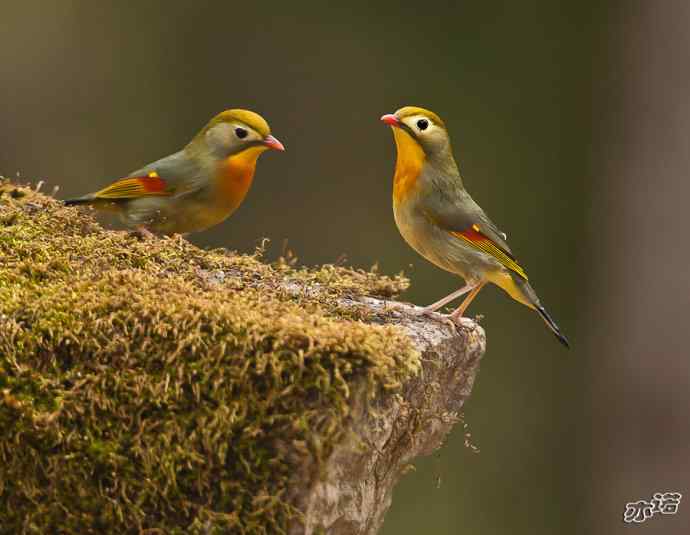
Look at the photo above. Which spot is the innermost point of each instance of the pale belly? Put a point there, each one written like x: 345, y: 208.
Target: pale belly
x: 440, y: 247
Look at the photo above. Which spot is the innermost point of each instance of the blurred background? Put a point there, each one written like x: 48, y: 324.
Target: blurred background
x: 571, y: 123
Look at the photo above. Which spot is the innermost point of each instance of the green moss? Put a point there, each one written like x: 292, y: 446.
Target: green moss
x: 151, y: 384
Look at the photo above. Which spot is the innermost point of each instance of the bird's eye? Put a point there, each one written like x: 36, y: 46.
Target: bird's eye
x: 422, y: 124
x: 241, y: 133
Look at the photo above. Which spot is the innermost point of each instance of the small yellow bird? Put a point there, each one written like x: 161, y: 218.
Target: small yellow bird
x: 439, y: 219
x: 195, y: 188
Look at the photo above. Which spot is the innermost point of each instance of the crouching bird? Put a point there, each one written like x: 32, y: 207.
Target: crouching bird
x: 439, y: 219
x: 195, y: 188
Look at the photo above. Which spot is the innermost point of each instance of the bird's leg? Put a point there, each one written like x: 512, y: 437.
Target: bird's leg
x: 463, y: 306
x: 447, y: 299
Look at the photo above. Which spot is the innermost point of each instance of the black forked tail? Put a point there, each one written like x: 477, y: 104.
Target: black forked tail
x: 552, y: 325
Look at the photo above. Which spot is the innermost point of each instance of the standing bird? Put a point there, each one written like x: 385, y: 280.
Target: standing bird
x: 439, y: 219
x: 195, y: 188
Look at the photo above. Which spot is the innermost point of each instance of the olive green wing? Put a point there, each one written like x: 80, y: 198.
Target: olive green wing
x: 465, y: 220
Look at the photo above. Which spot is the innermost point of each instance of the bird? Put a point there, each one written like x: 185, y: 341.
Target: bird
x: 439, y: 219
x: 195, y: 188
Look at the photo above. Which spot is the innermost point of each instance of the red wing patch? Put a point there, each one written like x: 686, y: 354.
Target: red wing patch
x: 476, y: 239
x: 133, y: 187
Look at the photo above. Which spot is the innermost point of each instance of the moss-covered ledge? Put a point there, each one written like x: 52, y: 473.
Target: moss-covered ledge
x: 149, y: 386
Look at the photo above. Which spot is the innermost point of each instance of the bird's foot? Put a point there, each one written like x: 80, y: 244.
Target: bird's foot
x: 426, y: 312
x: 451, y: 320
x: 414, y: 310
x: 433, y: 314
x: 458, y: 319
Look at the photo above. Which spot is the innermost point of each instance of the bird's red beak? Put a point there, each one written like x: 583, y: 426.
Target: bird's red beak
x: 390, y: 119
x: 273, y: 143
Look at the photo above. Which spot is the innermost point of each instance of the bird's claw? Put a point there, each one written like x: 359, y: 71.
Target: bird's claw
x: 452, y: 322
x: 436, y: 316
x: 425, y: 312
x: 413, y: 310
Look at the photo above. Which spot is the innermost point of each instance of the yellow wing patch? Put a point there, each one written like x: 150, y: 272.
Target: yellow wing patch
x: 476, y: 239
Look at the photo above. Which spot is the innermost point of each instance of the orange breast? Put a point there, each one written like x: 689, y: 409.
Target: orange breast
x: 403, y: 182
x: 235, y: 175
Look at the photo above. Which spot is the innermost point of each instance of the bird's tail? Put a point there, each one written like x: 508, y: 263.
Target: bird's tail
x: 520, y: 290
x: 551, y: 324
x: 79, y: 200
x: 531, y: 296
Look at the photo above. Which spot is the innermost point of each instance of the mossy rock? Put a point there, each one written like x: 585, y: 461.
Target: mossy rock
x: 152, y: 385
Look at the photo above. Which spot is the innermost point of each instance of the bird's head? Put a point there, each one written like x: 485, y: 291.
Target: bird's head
x: 420, y: 134
x: 234, y: 132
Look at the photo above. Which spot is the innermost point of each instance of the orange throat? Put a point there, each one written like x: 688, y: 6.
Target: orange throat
x: 408, y: 165
x: 235, y: 175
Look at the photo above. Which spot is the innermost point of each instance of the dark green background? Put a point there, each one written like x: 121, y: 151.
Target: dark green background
x: 92, y: 90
